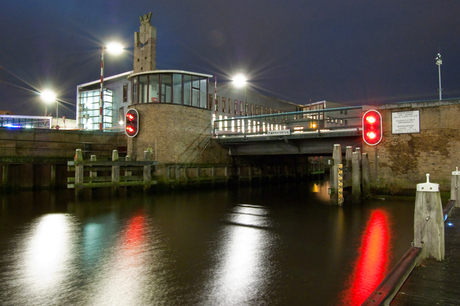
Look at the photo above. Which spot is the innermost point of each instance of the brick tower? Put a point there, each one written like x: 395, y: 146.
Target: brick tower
x: 145, y: 44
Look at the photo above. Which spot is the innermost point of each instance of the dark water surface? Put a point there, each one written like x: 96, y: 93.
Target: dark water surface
x: 273, y: 245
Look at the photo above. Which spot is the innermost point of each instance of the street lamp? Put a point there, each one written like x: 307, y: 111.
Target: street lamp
x: 114, y: 48
x: 439, y: 63
x: 49, y: 97
x: 239, y: 81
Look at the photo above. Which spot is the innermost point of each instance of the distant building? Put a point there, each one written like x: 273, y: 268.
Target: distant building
x: 6, y: 113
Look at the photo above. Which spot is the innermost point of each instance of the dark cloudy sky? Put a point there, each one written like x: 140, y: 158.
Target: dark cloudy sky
x: 353, y: 52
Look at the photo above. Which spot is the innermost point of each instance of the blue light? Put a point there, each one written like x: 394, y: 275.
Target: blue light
x: 9, y: 125
x: 450, y: 224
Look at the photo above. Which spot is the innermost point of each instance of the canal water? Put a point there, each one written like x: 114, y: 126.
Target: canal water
x: 273, y: 245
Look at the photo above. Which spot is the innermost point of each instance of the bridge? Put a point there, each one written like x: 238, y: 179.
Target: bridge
x: 311, y: 132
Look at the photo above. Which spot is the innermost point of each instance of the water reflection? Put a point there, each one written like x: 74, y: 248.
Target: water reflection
x: 243, y: 267
x: 44, y: 267
x: 372, y: 264
x: 133, y: 264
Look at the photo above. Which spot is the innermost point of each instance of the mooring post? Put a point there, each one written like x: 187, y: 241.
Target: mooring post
x: 78, y: 171
x: 455, y: 187
x: 358, y: 150
x: 365, y: 175
x: 429, y: 220
x: 348, y: 156
x: 336, y: 164
x: 128, y: 173
x: 92, y: 174
x: 355, y: 178
x: 115, y: 172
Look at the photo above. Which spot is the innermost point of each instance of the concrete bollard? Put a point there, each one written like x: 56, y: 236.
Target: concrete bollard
x: 455, y: 187
x: 355, y: 178
x: 429, y: 221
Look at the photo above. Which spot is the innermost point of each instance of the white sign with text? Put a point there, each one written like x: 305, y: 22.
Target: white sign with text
x: 405, y: 122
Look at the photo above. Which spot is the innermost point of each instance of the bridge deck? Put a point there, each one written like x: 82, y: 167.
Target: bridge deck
x: 436, y: 282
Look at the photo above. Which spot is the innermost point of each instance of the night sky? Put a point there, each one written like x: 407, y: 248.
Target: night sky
x: 352, y: 52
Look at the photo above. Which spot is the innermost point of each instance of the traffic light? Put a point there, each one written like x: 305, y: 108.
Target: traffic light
x: 132, y: 122
x: 372, y: 127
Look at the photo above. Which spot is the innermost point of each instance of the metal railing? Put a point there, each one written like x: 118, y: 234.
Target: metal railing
x: 311, y: 121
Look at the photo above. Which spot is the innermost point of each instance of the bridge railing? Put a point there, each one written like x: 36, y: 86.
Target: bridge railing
x: 289, y: 123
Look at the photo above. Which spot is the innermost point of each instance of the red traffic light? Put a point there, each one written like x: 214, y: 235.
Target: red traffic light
x: 372, y: 127
x: 132, y: 123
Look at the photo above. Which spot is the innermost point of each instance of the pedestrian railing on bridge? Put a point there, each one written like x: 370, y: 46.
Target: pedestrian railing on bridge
x: 305, y: 122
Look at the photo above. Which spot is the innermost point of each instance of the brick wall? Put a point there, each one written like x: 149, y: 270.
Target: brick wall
x: 403, y: 160
x: 176, y: 134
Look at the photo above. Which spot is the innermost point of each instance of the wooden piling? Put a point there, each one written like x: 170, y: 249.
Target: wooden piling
x: 334, y: 182
x: 356, y: 178
x: 366, y: 182
x: 115, y: 173
x: 429, y: 221
x: 78, y: 172
x: 455, y: 187
x: 348, y: 156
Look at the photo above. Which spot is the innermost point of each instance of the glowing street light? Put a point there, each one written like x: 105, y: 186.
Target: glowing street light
x: 49, y: 97
x: 239, y: 80
x: 114, y: 48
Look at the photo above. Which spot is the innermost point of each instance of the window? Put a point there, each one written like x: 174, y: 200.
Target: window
x: 143, y: 89
x: 166, y: 88
x: 121, y: 115
x: 217, y: 103
x: 125, y: 93
x: 187, y: 89
x: 246, y: 109
x: 235, y: 109
x: 224, y: 104
x: 196, y: 91
x: 229, y: 106
x: 257, y: 110
x: 177, y: 88
x: 210, y: 101
x: 154, y: 89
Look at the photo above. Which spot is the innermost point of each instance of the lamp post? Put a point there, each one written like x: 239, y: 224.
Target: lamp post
x: 113, y: 48
x: 439, y: 63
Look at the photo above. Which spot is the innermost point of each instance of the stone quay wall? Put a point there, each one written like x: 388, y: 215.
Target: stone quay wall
x: 37, y: 158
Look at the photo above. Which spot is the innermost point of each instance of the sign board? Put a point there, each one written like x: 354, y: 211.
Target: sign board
x: 279, y: 132
x: 405, y: 122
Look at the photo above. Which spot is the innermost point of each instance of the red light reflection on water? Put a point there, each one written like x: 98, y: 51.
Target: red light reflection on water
x: 135, y: 233
x: 372, y: 263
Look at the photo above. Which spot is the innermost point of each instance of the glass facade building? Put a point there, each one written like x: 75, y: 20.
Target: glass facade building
x: 170, y: 86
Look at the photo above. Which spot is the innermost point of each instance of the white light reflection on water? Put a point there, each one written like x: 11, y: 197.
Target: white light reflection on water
x: 44, y: 266
x: 243, y: 266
